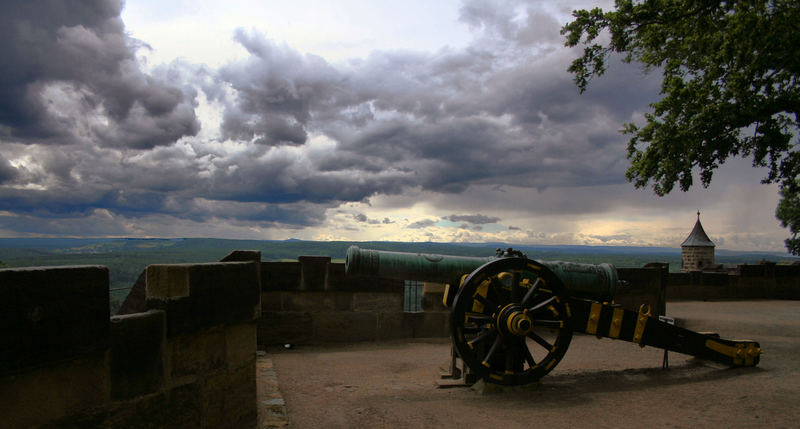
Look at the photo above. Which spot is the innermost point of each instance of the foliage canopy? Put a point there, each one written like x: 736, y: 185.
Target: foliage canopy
x: 730, y: 88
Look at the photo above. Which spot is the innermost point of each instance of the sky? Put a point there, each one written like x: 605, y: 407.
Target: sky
x: 355, y: 120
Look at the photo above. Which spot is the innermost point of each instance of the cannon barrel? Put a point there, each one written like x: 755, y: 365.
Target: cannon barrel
x: 592, y: 281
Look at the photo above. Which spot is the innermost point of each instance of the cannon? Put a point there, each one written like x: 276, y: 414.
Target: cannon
x: 512, y: 318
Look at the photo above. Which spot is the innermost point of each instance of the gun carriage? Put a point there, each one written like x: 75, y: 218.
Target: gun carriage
x: 512, y: 318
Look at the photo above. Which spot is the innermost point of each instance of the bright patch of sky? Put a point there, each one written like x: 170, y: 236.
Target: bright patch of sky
x: 202, y: 31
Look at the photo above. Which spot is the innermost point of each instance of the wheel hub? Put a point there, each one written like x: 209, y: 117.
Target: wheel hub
x: 514, y: 320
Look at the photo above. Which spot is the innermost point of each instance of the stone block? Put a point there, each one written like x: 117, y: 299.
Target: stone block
x: 136, y: 358
x: 378, y: 302
x: 272, y: 301
x: 432, y: 301
x: 240, y: 344
x: 317, y: 301
x: 345, y: 326
x: 196, y: 353
x: 50, y: 314
x: 229, y: 399
x: 392, y: 326
x: 284, y: 327
x: 277, y: 276
x: 184, y: 406
x: 314, y: 272
x: 167, y: 281
x: 52, y: 392
x: 435, y: 324
x: 218, y: 293
x: 430, y: 287
x: 427, y: 324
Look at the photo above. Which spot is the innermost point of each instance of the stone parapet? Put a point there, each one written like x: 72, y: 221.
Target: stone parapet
x: 761, y: 281
x: 188, y: 361
x: 51, y: 314
x: 203, y: 295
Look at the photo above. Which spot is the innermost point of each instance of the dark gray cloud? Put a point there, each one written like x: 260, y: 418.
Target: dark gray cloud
x: 477, y: 219
x: 298, y: 135
x: 362, y: 218
x: 69, y: 73
x: 420, y: 224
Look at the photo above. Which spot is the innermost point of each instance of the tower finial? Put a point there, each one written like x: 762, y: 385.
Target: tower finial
x: 698, y: 215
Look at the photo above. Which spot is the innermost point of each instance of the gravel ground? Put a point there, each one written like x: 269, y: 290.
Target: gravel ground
x: 599, y: 383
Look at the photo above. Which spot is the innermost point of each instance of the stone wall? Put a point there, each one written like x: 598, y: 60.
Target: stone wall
x: 312, y: 301
x: 336, y: 308
x: 759, y: 281
x: 188, y: 361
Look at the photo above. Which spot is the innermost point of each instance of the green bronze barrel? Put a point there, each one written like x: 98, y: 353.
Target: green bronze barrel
x: 598, y: 282
x: 410, y: 266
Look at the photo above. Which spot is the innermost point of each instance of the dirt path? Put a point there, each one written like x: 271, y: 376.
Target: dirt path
x: 600, y: 383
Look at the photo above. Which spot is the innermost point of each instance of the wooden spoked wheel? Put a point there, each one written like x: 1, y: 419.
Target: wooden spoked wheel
x: 510, y: 321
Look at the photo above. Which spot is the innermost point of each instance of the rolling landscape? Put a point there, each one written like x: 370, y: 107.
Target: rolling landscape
x: 127, y: 257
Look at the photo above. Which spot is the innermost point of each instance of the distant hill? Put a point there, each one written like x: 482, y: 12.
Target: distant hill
x: 127, y: 257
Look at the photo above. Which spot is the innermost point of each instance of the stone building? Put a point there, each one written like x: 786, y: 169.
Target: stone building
x: 697, y: 251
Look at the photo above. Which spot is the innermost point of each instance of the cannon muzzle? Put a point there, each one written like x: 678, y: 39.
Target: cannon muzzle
x: 598, y: 282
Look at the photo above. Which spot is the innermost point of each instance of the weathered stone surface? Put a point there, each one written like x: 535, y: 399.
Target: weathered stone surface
x: 219, y: 293
x: 50, y: 314
x: 136, y: 357
x: 240, y: 344
x: 318, y: 301
x: 272, y: 301
x: 392, y: 326
x: 432, y: 301
x: 435, y: 324
x: 286, y: 327
x: 314, y: 272
x: 196, y: 353
x: 167, y: 281
x: 54, y: 391
x: 377, y: 302
x: 277, y: 276
x: 345, y: 326
x: 229, y: 399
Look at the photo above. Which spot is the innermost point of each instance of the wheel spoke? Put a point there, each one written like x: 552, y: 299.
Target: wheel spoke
x: 541, y: 305
x: 511, y: 358
x: 516, y: 288
x: 482, y: 336
x: 526, y: 353
x: 492, y: 349
x: 547, y: 323
x: 541, y: 341
x: 530, y: 293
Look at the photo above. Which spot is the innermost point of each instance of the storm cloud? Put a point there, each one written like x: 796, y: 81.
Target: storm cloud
x: 89, y: 130
x: 69, y: 74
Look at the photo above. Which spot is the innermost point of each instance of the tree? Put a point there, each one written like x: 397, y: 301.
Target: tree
x: 730, y: 88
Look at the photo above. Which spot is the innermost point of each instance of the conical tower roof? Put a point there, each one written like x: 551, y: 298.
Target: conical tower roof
x: 698, y: 236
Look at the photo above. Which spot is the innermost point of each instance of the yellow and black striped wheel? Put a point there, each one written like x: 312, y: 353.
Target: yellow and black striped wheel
x: 511, y: 321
